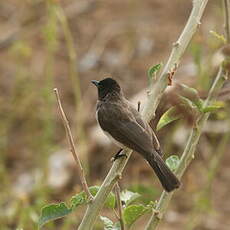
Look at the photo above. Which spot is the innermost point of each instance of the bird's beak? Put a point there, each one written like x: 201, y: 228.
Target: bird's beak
x: 95, y: 82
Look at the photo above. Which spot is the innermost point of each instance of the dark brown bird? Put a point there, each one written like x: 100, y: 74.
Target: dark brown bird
x: 123, y: 124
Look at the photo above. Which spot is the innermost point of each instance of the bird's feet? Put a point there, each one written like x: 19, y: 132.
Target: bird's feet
x: 118, y: 155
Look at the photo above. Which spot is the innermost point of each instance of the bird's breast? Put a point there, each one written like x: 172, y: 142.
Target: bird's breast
x: 101, y: 111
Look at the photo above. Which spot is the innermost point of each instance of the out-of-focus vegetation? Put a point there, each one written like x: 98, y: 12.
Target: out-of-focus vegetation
x: 65, y: 44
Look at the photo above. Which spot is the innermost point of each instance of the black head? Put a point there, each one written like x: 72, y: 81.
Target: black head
x: 106, y: 86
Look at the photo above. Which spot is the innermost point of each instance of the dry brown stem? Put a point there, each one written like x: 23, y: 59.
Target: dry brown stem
x: 72, y: 146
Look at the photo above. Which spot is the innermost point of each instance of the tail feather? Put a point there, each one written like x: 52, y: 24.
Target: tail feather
x: 168, y: 180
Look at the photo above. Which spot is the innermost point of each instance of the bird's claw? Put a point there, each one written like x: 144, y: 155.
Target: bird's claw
x: 117, y: 156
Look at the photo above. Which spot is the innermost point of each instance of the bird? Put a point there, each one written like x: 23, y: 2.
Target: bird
x: 124, y: 125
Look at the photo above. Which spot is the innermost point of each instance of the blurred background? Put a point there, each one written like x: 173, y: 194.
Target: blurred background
x: 66, y: 44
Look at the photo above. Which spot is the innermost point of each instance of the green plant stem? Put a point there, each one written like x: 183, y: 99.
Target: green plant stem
x: 71, y: 52
x: 74, y: 78
x: 187, y: 155
x: 119, y: 205
x: 156, y: 93
x: 227, y: 18
x: 174, y: 59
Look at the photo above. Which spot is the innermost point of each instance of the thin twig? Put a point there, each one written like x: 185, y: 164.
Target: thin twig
x: 116, y: 214
x: 119, y: 205
x: 187, y: 155
x: 71, y: 52
x: 72, y: 146
x: 73, y: 74
x: 157, y: 90
x: 227, y: 18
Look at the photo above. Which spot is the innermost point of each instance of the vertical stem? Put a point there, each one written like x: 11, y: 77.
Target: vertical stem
x: 227, y: 18
x: 174, y: 59
x: 74, y: 77
x: 119, y: 205
x: 72, y: 146
x: 187, y: 155
x: 71, y: 52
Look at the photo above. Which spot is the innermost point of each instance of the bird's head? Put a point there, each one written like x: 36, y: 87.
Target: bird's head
x: 106, y: 86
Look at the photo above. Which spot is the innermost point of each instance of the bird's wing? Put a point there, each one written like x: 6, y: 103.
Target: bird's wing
x: 124, y: 129
x: 147, y: 127
x: 137, y: 115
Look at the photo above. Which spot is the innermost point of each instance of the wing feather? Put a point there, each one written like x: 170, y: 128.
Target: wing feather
x: 124, y: 128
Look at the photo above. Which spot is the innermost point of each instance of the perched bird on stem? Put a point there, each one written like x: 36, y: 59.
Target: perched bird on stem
x: 123, y: 124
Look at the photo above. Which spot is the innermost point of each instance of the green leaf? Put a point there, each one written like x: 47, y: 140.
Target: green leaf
x: 133, y: 212
x: 110, y: 201
x: 211, y: 108
x: 190, y: 97
x: 153, y: 70
x: 78, y: 199
x: 189, y: 92
x: 218, y: 36
x: 199, y: 104
x: 173, y: 162
x: 52, y: 212
x: 117, y: 226
x: 107, y: 222
x: 109, y: 225
x: 128, y: 196
x: 147, y: 193
x: 169, y: 116
x: 81, y: 198
x: 187, y: 102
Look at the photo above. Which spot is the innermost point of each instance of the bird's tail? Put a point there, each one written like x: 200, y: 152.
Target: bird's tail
x: 168, y: 180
